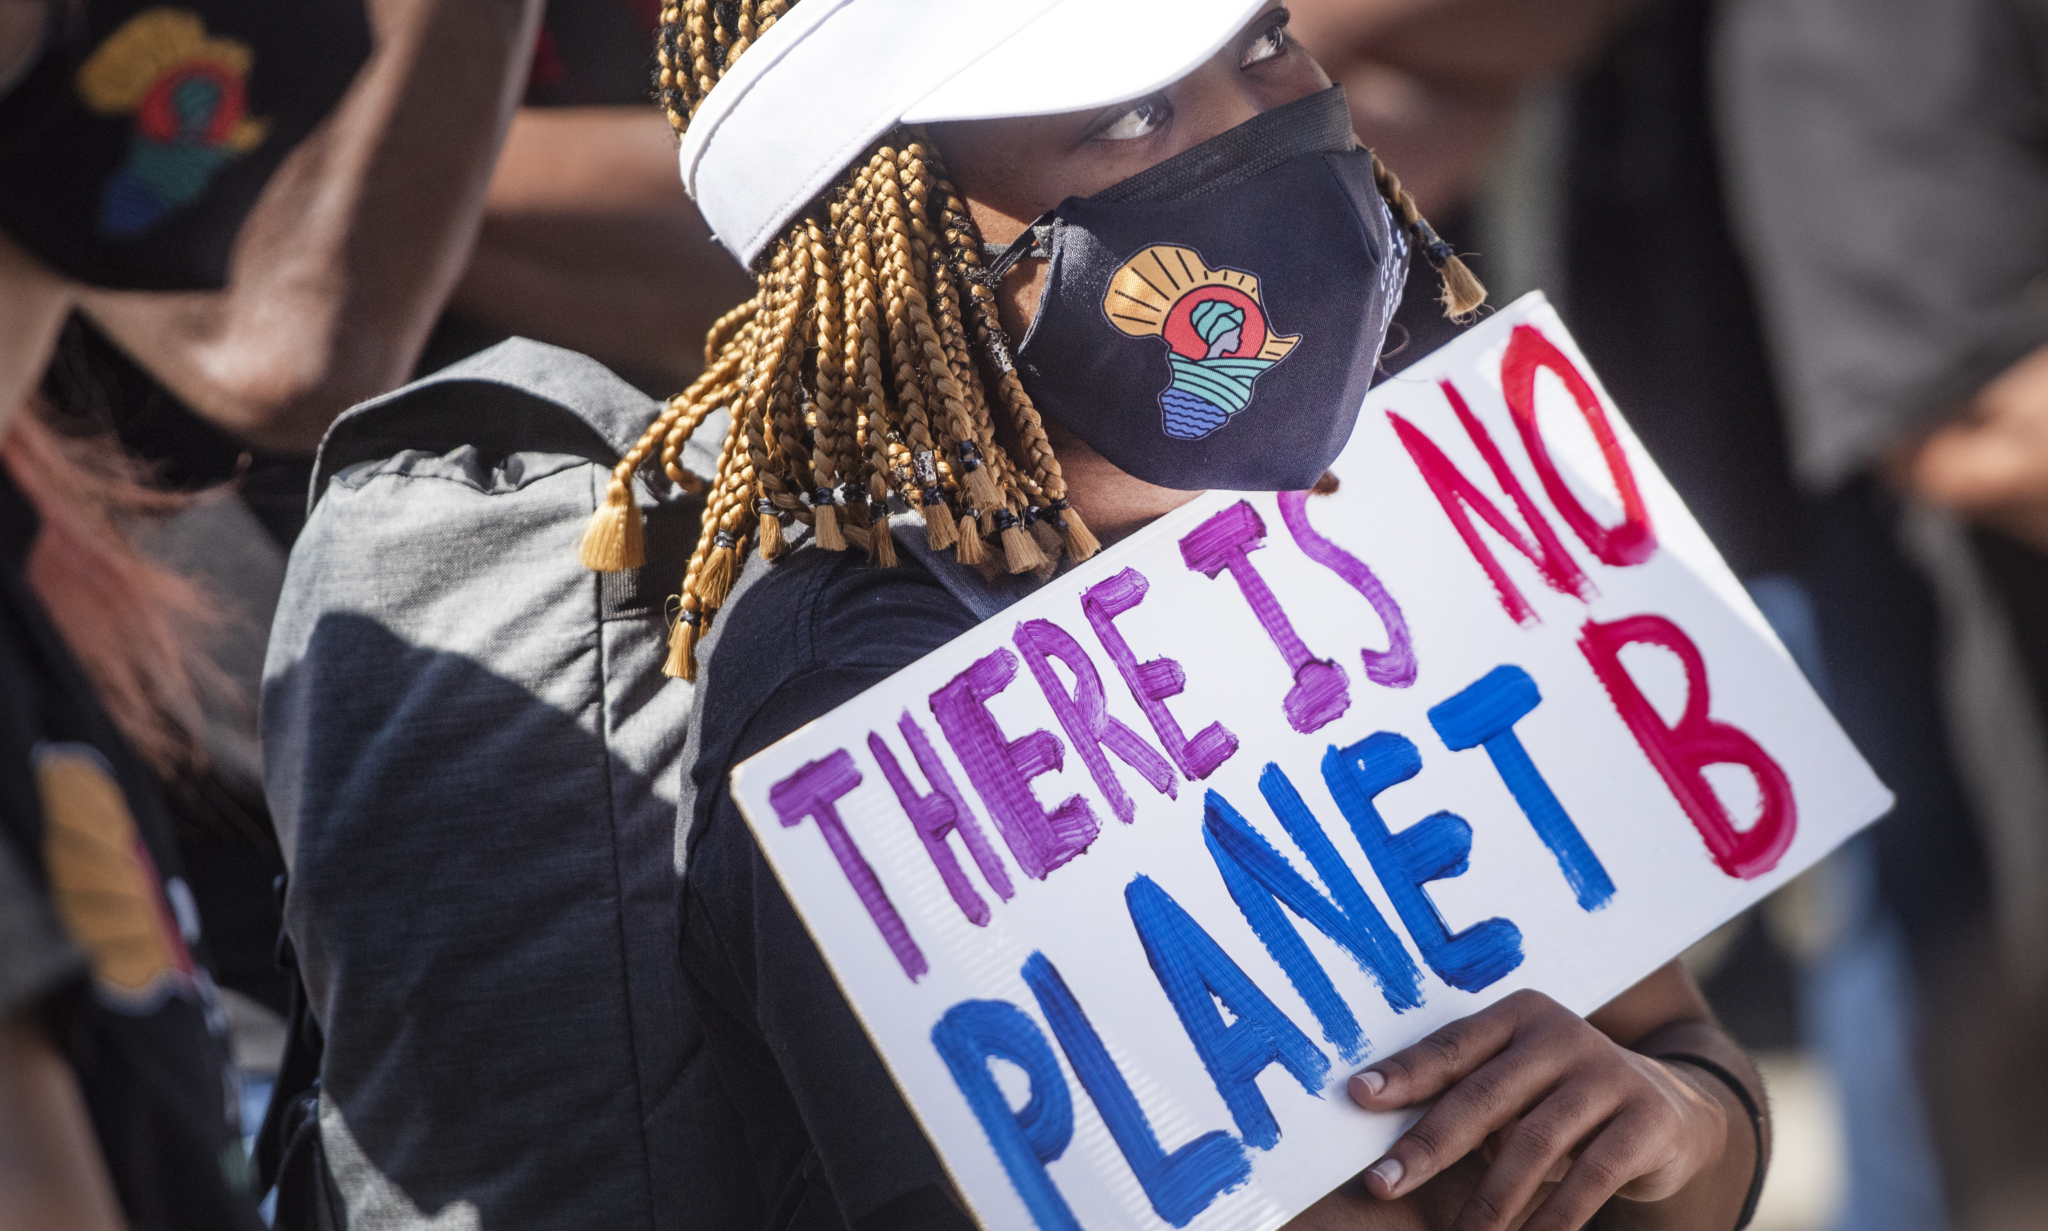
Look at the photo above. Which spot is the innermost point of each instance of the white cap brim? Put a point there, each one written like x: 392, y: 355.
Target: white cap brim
x: 830, y: 78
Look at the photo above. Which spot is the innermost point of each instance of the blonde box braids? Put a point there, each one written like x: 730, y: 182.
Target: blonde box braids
x: 869, y: 365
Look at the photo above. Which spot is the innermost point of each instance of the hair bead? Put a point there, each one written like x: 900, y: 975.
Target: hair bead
x: 1463, y: 293
x: 681, y: 662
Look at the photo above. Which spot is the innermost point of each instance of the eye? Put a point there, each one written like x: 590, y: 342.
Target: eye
x: 1271, y: 43
x: 1140, y: 119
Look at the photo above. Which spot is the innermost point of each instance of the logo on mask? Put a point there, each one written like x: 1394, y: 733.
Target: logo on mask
x: 1218, y: 340
x: 190, y: 98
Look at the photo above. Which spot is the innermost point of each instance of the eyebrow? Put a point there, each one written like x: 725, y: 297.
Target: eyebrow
x: 1280, y: 14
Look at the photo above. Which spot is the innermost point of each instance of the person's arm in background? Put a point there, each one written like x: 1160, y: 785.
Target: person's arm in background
x: 348, y: 258
x: 1887, y: 172
x: 1540, y: 1118
x: 589, y: 242
x: 1989, y: 463
x: 1434, y: 84
x: 51, y: 1175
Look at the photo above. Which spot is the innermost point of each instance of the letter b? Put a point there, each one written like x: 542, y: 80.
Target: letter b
x: 1695, y: 741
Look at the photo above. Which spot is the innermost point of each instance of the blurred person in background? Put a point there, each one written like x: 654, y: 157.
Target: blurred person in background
x: 133, y: 141
x: 1651, y: 277
x: 1889, y: 167
x: 589, y: 241
x: 1437, y: 88
x: 494, y: 170
x: 326, y: 296
x: 484, y: 177
x: 1579, y: 141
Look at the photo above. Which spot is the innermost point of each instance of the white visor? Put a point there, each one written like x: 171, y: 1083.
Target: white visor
x: 828, y: 80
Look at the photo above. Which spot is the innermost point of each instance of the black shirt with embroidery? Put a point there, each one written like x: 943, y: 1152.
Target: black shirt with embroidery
x: 118, y: 988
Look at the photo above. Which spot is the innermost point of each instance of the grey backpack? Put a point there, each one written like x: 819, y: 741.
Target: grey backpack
x: 474, y: 763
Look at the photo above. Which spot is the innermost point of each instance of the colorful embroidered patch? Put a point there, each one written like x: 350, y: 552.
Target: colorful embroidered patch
x: 190, y: 99
x: 1218, y: 338
x: 104, y: 884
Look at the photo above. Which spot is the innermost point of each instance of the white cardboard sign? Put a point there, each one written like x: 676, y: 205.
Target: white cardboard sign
x: 1125, y: 882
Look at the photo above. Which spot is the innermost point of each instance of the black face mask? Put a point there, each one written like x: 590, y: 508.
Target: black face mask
x: 1215, y: 321
x: 133, y: 148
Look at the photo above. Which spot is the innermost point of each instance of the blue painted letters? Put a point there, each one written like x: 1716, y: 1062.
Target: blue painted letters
x: 1433, y: 848
x: 1486, y: 714
x: 1181, y: 1184
x: 971, y: 1034
x: 1196, y: 973
x: 1260, y: 878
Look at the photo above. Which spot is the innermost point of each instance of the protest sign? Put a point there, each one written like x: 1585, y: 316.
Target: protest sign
x: 1125, y: 882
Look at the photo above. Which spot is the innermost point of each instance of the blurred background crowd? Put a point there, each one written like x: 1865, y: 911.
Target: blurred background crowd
x: 1803, y: 242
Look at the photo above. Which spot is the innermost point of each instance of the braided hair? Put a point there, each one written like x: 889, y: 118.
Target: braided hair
x: 869, y: 365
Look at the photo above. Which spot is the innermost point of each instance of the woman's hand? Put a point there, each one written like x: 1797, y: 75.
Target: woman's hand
x: 1552, y: 1103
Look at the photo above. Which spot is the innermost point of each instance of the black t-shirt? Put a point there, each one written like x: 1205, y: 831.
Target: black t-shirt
x: 82, y: 831
x: 797, y: 1121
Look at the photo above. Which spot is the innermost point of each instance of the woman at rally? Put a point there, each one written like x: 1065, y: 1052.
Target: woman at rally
x: 129, y: 158
x: 896, y: 175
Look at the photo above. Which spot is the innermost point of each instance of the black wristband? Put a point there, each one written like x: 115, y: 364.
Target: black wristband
x: 1756, y: 1122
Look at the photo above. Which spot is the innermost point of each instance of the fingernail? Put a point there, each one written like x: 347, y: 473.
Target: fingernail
x: 1388, y: 1170
x: 1372, y: 1081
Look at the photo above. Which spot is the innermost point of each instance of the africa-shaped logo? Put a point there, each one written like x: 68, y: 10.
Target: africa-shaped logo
x: 190, y: 98
x: 1218, y: 340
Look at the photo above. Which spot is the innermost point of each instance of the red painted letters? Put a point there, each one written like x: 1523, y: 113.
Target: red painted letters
x: 1529, y: 352
x: 1457, y: 494
x: 1696, y: 741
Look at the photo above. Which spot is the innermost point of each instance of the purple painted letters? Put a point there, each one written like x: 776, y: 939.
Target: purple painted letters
x: 1393, y: 666
x: 938, y: 814
x: 1087, y: 719
x: 1151, y: 683
x: 1321, y: 692
x: 812, y: 792
x: 1002, y: 769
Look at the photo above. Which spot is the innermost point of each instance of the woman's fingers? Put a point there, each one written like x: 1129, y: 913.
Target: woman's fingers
x: 1550, y: 1100
x: 1610, y: 1160
x: 1489, y: 1150
x: 1427, y: 1068
x: 1477, y: 1106
x: 1533, y: 1151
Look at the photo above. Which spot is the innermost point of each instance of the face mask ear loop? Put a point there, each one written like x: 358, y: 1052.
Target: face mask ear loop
x: 1033, y: 241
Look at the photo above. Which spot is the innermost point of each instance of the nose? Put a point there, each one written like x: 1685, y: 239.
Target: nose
x: 1212, y: 100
